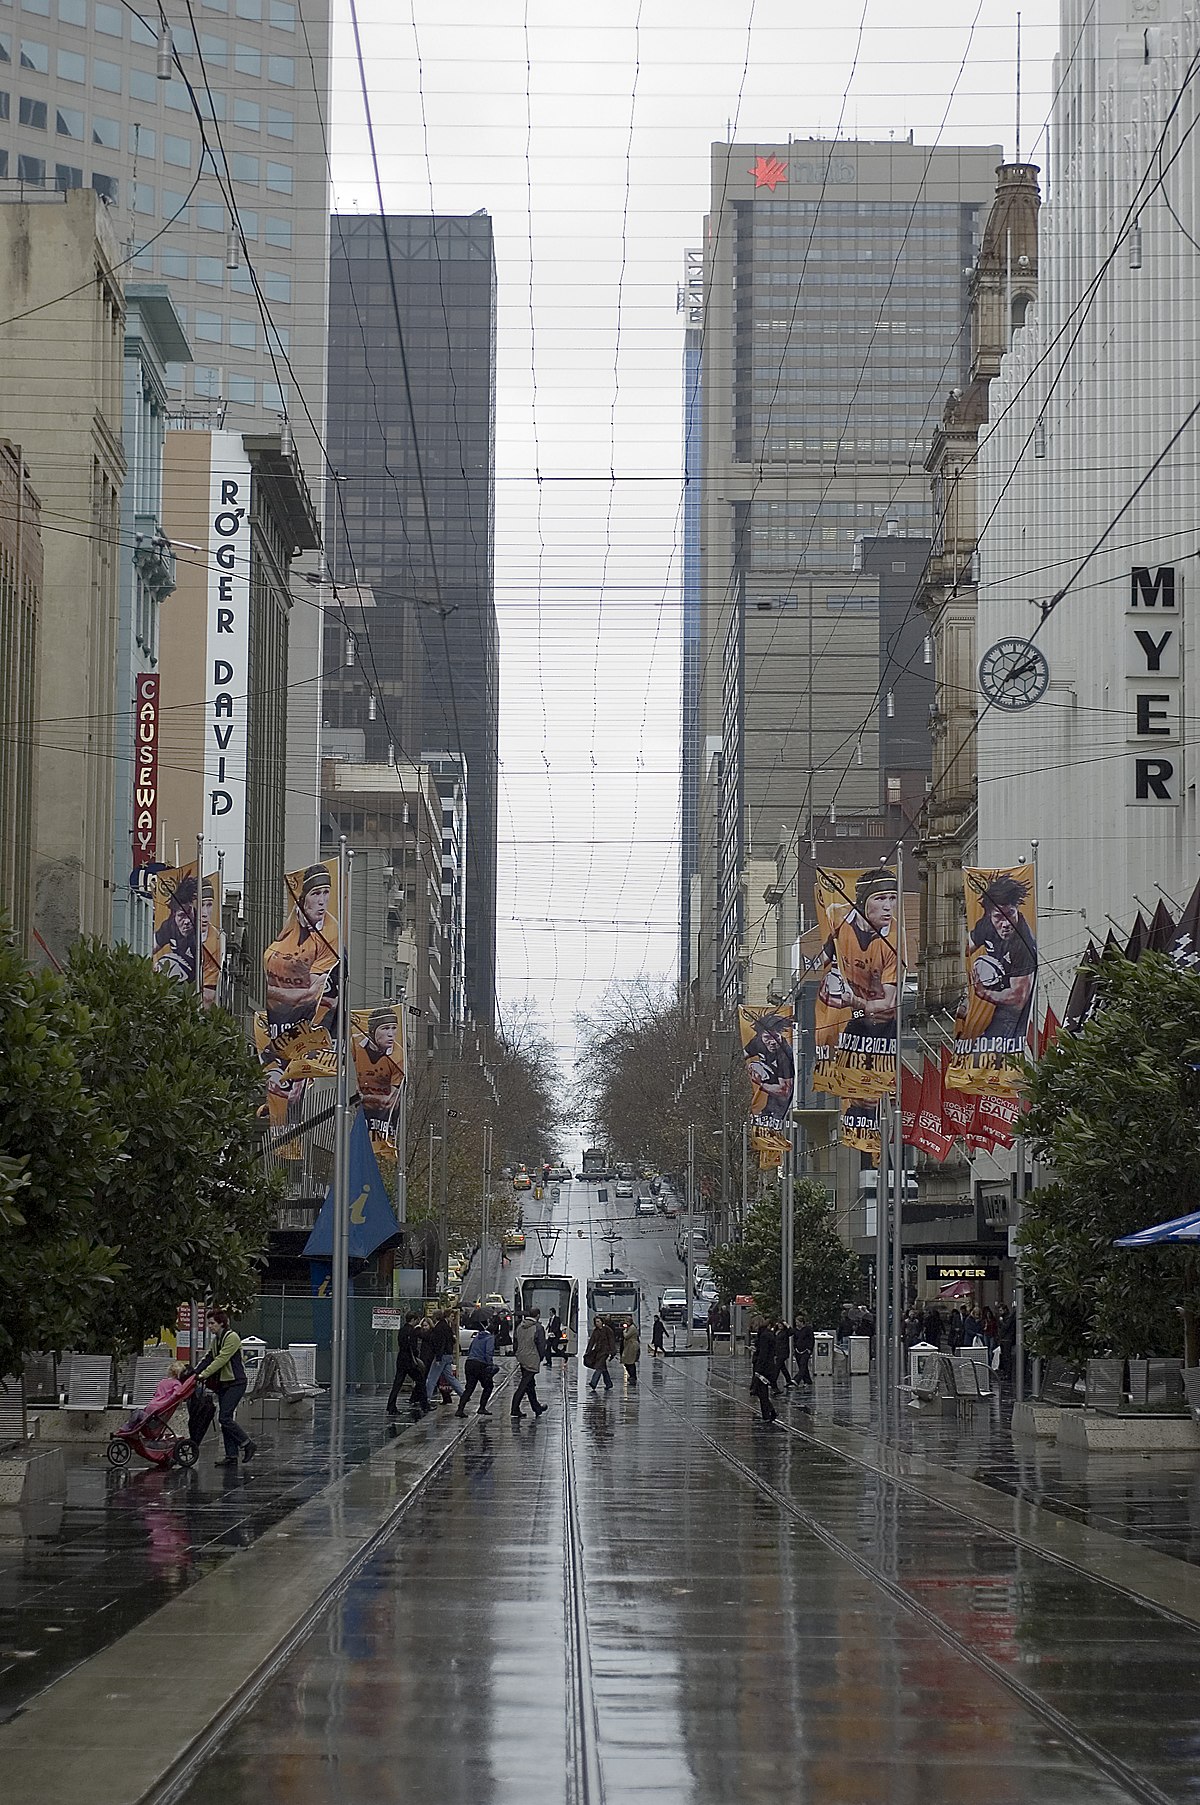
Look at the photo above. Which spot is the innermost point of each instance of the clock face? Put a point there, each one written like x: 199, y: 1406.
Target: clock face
x: 1013, y: 673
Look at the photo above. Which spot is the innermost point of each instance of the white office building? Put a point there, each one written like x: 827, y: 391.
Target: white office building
x: 1088, y: 499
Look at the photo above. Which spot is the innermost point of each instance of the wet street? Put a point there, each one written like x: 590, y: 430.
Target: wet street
x: 651, y: 1597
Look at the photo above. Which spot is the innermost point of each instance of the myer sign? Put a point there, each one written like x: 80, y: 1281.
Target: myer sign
x: 226, y: 681
x: 1154, y: 686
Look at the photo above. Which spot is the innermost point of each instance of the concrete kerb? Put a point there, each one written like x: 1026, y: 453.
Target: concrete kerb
x: 1155, y: 1578
x: 165, y: 1693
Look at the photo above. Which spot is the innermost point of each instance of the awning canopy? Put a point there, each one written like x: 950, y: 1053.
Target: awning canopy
x: 1180, y: 1228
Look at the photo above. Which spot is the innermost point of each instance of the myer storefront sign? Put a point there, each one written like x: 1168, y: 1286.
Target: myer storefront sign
x: 228, y: 656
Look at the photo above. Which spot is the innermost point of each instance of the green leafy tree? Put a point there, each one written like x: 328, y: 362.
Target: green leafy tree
x: 56, y: 1151
x: 188, y: 1203
x: 1115, y: 1111
x: 826, y: 1272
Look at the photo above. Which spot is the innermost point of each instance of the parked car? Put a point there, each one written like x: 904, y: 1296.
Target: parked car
x: 624, y: 1188
x: 561, y: 1174
x: 645, y: 1207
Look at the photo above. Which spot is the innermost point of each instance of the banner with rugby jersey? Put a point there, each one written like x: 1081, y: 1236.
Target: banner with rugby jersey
x: 176, y: 929
x: 992, y: 1027
x: 859, y: 1127
x: 377, y: 1041
x: 854, y: 1053
x: 766, y: 1037
x: 302, y: 968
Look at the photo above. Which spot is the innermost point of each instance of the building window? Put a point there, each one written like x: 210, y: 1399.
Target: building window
x: 107, y: 187
x: 210, y: 105
x: 279, y: 178
x: 210, y: 270
x: 280, y: 124
x: 106, y: 132
x: 278, y: 232
x: 40, y: 7
x: 279, y: 340
x: 177, y: 151
x: 3, y: 163
x: 5, y: 47
x: 141, y: 34
x: 272, y: 397
x: 249, y: 221
x: 206, y: 382
x: 275, y: 285
x: 108, y: 20
x: 106, y: 76
x: 69, y: 123
x: 35, y: 56
x: 31, y: 169
x: 174, y: 204
x: 241, y: 390
x: 239, y: 280
x: 176, y: 97
x: 243, y: 168
x: 243, y: 333
x: 248, y: 9
x: 247, y: 60
x: 144, y: 84
x: 73, y: 12
x: 67, y: 176
x: 212, y: 162
x: 143, y: 257
x: 142, y: 141
x: 211, y: 217
x: 282, y: 15
x: 282, y: 69
x: 71, y: 67
x: 213, y: 49
x: 175, y: 263
x: 31, y: 113
x: 144, y: 197
x: 215, y: 6
x: 247, y: 114
x: 207, y: 326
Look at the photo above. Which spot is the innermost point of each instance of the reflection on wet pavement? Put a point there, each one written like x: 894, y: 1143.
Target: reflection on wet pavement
x: 762, y: 1619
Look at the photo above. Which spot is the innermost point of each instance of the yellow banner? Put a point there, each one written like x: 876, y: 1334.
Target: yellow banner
x: 859, y: 1127
x: 303, y: 975
x: 377, y: 1038
x: 175, y: 928
x: 854, y: 1054
x: 766, y: 1036
x: 992, y: 1026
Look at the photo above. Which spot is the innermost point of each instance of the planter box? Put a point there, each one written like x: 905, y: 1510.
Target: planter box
x: 79, y: 1426
x: 1034, y: 1418
x: 1096, y: 1432
x: 36, y: 1475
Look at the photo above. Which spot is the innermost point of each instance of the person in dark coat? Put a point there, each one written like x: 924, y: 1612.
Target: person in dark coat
x: 556, y: 1342
x: 764, y: 1349
x: 480, y: 1369
x: 762, y: 1373
x: 803, y: 1341
x: 954, y: 1330
x: 783, y: 1348
x: 658, y: 1335
x: 933, y: 1326
x: 409, y: 1365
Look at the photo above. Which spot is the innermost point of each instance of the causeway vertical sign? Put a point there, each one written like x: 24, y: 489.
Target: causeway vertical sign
x: 145, y: 769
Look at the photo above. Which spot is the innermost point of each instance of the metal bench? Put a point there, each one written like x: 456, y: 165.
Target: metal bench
x: 148, y: 1370
x: 972, y: 1381
x: 12, y: 1410
x: 90, y: 1376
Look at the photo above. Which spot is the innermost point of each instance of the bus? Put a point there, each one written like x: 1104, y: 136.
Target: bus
x: 614, y: 1298
x: 550, y: 1292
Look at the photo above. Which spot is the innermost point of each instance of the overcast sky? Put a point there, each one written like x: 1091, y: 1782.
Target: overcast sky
x: 589, y: 147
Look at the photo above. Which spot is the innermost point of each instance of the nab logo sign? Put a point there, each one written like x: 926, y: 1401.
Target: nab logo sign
x: 1153, y: 685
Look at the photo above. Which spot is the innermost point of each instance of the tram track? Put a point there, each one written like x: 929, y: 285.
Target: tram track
x: 1112, y: 1766
x: 584, y: 1773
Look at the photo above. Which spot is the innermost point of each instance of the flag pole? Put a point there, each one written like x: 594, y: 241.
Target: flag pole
x: 339, y: 1282
x: 199, y: 971
x: 896, y: 1357
x: 1018, y: 1208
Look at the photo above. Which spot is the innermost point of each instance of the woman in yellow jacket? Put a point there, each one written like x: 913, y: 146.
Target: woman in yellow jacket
x: 225, y: 1372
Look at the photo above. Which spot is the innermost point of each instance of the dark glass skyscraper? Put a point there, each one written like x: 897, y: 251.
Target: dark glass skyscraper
x: 412, y: 403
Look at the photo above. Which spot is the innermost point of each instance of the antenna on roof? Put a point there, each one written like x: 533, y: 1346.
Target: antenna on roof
x: 1018, y: 87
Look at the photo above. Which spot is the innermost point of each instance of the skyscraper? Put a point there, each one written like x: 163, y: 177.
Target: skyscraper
x: 412, y: 437
x: 835, y: 292
x: 215, y: 178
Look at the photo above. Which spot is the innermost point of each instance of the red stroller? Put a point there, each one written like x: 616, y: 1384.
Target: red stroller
x: 148, y: 1431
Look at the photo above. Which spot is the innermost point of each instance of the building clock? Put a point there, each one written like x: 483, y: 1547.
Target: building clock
x: 1013, y: 674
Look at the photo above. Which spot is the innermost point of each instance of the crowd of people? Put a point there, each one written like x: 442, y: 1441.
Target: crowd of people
x: 963, y: 1326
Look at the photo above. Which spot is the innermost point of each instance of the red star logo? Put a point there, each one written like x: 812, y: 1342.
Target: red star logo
x: 768, y: 172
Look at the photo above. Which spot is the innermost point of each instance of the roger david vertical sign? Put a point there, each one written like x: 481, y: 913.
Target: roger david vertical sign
x: 228, y: 655
x: 1153, y: 686
x: 145, y: 769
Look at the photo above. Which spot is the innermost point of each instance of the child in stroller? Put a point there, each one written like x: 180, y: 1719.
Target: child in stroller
x: 148, y: 1431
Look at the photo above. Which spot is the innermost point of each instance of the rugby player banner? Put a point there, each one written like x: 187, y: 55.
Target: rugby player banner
x: 377, y: 1038
x: 860, y: 1127
x: 855, y: 1039
x: 766, y: 1036
x: 303, y: 977
x: 992, y: 1029
x: 174, y: 949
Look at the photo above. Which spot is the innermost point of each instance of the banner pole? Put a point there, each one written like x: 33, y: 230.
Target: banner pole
x: 745, y: 1178
x: 220, y: 993
x: 339, y: 1287
x: 687, y: 1227
x: 1018, y: 1209
x: 402, y: 1120
x: 897, y: 1341
x: 882, y: 1291
x: 199, y: 972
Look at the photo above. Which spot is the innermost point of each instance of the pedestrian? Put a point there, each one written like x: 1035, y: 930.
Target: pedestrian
x: 602, y: 1345
x: 1008, y: 1342
x: 933, y: 1326
x: 480, y: 1369
x: 845, y: 1329
x: 409, y: 1365
x: 441, y: 1341
x: 783, y: 1347
x: 531, y: 1351
x: 761, y: 1372
x: 554, y: 1338
x: 970, y: 1327
x: 658, y: 1335
x: 631, y: 1351
x: 954, y: 1329
x: 225, y: 1373
x: 989, y: 1327
x: 803, y: 1341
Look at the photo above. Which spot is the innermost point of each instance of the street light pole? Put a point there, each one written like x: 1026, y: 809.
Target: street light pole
x: 443, y: 1205
x: 487, y: 1208
x: 687, y: 1225
x: 402, y: 1121
x: 340, y: 1276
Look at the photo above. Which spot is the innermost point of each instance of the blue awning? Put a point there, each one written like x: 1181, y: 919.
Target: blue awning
x: 1180, y: 1228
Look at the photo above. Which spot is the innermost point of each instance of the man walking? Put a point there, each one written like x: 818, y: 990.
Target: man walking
x: 531, y: 1351
x: 408, y: 1366
x: 481, y: 1369
x: 442, y: 1367
x: 600, y: 1349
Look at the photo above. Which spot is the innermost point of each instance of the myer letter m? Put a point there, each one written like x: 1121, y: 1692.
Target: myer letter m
x: 1153, y: 589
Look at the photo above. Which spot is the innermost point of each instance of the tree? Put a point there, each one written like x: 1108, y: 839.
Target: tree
x: 826, y: 1273
x: 56, y: 1150
x: 1114, y: 1111
x: 189, y: 1201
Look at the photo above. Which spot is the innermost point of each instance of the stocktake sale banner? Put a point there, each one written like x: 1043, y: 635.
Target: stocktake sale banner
x: 766, y: 1036
x: 992, y: 1027
x: 855, y: 1040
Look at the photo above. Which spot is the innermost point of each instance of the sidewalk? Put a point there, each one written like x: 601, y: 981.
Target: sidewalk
x: 125, y: 1543
x: 1150, y: 1500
